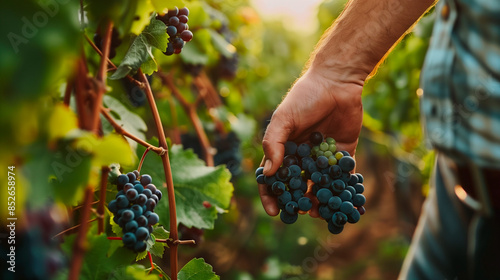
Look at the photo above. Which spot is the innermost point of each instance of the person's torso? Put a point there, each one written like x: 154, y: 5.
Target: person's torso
x: 461, y: 81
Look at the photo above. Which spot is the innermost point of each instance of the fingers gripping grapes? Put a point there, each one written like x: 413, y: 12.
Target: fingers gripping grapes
x: 314, y: 104
x: 315, y: 178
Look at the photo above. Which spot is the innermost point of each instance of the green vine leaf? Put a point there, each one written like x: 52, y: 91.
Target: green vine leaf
x: 142, y: 255
x: 158, y: 248
x: 128, y: 120
x: 201, y: 192
x: 197, y: 269
x: 153, y: 36
x: 192, y: 54
x: 115, y: 227
x: 133, y: 272
x: 224, y: 47
x: 98, y: 264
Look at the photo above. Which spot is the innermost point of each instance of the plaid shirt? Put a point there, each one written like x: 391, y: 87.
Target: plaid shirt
x: 461, y: 81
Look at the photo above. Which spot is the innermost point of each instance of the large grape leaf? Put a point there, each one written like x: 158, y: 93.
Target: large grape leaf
x: 153, y: 36
x: 200, y: 191
x: 197, y: 269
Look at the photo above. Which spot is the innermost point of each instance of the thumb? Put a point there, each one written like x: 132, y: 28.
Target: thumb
x: 273, y: 143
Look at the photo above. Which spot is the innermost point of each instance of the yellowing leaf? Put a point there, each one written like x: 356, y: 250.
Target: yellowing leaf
x: 142, y: 14
x: 113, y: 148
x: 61, y: 122
x: 161, y: 6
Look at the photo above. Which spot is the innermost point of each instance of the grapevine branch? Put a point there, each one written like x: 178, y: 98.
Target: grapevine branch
x: 130, y: 78
x: 81, y: 206
x: 101, y: 77
x: 171, y: 242
x: 102, y: 199
x: 168, y: 174
x: 176, y: 134
x: 207, y: 90
x: 120, y: 130
x: 210, y: 97
x: 80, y: 94
x: 193, y: 116
x: 72, y: 228
x: 79, y: 245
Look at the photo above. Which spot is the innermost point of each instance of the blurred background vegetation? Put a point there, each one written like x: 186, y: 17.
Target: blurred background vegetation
x: 265, y: 48
x: 273, y: 44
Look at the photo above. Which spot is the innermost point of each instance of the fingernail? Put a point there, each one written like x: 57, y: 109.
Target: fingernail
x: 267, y: 166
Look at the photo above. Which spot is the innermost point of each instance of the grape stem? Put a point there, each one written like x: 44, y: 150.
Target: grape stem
x: 102, y: 199
x: 190, y: 109
x: 120, y: 130
x: 168, y: 174
x: 151, y: 262
x: 114, y: 238
x: 142, y: 159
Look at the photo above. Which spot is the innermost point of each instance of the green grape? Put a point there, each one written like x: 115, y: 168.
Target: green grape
x: 330, y: 140
x: 332, y: 160
x: 338, y: 155
x: 332, y: 148
x: 323, y: 146
x: 328, y: 154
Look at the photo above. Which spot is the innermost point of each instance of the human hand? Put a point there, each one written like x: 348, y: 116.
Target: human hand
x: 314, y: 103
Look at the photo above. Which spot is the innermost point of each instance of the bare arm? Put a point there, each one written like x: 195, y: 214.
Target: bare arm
x: 327, y: 97
x: 363, y: 33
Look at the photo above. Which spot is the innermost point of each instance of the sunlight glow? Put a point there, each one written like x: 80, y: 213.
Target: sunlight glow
x: 298, y: 15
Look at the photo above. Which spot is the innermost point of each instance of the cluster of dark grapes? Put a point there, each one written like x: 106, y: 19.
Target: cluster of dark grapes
x: 35, y: 244
x: 177, y: 28
x: 133, y: 208
x: 115, y: 42
x: 328, y: 171
x: 227, y: 66
x: 135, y: 93
x: 228, y: 152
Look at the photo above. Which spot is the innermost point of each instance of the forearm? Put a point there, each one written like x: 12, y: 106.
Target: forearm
x: 361, y: 36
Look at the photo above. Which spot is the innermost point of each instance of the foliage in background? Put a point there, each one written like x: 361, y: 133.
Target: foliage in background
x: 242, y: 66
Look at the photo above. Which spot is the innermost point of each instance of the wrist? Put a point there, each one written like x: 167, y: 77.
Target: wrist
x: 343, y: 64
